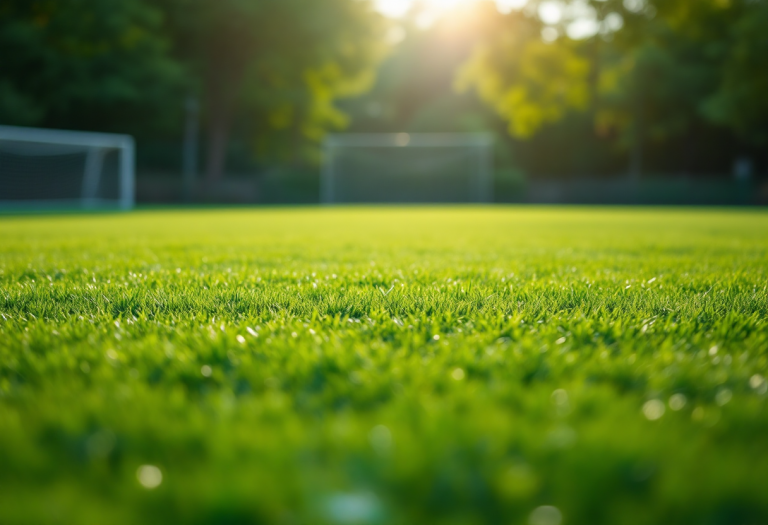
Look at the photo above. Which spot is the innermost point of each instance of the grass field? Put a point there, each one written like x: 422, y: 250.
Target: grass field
x: 402, y: 366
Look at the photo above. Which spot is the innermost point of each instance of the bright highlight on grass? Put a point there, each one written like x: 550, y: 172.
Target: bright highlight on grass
x: 545, y: 515
x: 653, y: 409
x: 367, y: 366
x: 149, y: 476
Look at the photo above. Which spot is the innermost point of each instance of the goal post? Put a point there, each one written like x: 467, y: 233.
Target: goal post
x: 407, y: 168
x: 46, y: 167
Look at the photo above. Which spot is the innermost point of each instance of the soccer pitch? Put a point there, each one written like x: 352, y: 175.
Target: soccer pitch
x: 385, y: 365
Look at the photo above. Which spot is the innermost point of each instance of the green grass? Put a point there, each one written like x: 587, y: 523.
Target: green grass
x: 398, y: 366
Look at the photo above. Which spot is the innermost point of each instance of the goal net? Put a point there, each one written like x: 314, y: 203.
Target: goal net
x: 407, y: 168
x: 43, y: 168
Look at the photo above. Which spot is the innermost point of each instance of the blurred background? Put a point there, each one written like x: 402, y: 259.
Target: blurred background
x: 586, y: 101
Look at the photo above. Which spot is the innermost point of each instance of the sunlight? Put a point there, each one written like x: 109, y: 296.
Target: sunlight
x: 576, y: 19
x: 393, y: 8
x: 435, y: 8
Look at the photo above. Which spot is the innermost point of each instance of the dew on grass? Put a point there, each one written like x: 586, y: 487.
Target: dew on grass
x: 545, y: 515
x: 713, y: 350
x: 353, y: 508
x: 559, y: 397
x: 251, y: 331
x: 206, y: 371
x: 677, y: 402
x: 560, y: 341
x: 380, y: 438
x: 653, y: 409
x: 758, y: 383
x: 436, y: 337
x: 723, y: 396
x: 149, y: 476
x: 457, y: 374
x: 240, y: 339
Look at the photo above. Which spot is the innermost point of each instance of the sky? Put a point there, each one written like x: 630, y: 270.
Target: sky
x: 577, y: 17
x: 398, y: 8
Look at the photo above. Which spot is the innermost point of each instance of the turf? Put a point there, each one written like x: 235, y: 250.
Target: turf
x: 405, y: 366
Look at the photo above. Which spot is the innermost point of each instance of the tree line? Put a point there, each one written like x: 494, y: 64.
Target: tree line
x: 654, y: 71
x: 127, y: 65
x: 275, y: 73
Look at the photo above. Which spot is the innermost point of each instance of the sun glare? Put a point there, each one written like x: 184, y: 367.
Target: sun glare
x: 576, y: 19
x: 435, y: 8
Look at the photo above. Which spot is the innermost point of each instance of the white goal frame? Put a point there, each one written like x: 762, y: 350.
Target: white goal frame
x: 95, y: 146
x: 481, y: 190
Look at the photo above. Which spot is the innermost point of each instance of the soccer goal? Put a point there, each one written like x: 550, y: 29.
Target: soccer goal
x: 407, y: 168
x: 51, y: 168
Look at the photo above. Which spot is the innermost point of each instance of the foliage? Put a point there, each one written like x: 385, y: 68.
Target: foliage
x: 694, y: 61
x: 658, y: 71
x: 442, y: 366
x: 528, y: 82
x: 276, y: 67
x: 740, y: 100
x: 414, y: 86
x: 100, y: 64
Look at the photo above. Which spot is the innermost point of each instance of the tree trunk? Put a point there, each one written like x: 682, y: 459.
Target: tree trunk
x: 636, y: 151
x: 690, y: 160
x: 191, y: 144
x: 218, y: 140
x: 222, y: 87
x: 219, y: 122
x: 636, y: 156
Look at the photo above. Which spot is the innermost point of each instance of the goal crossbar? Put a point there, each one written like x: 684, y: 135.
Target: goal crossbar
x: 405, y: 140
x: 93, y: 145
x: 479, y: 189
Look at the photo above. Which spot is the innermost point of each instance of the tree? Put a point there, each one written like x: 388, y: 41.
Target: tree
x: 276, y: 64
x: 655, y: 70
x: 94, y: 64
x: 414, y: 87
x: 687, y: 64
x: 527, y: 81
x: 740, y: 101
